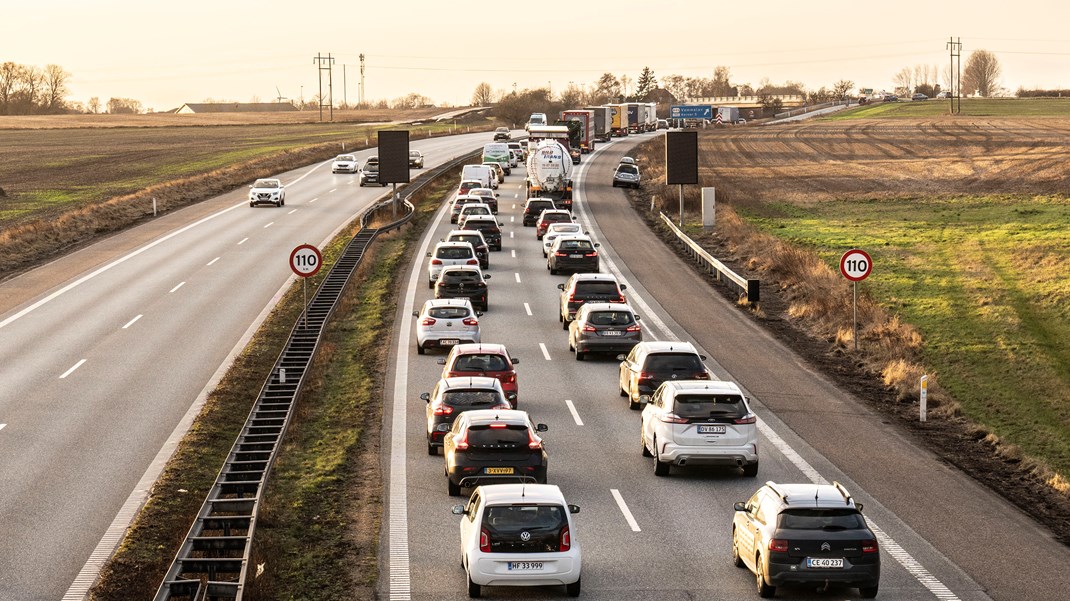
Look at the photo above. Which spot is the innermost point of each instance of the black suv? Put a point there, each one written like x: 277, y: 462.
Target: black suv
x: 805, y: 533
x: 488, y: 446
x: 649, y: 364
x: 463, y: 281
x: 534, y: 207
x: 452, y: 397
x: 587, y: 288
x: 475, y: 238
x: 488, y: 226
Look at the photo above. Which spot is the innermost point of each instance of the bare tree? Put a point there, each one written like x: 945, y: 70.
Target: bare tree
x: 904, y: 79
x: 124, y: 106
x: 606, y: 89
x: 573, y: 96
x: 675, y: 84
x: 483, y: 95
x: 981, y: 74
x: 55, y: 80
x: 624, y: 81
x: 10, y: 73
x: 93, y: 106
x: 841, y: 88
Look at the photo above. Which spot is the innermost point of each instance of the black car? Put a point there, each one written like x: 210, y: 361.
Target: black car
x: 534, y: 207
x: 502, y: 133
x: 452, y: 397
x: 805, y: 534
x: 490, y: 198
x: 489, y: 227
x: 587, y: 288
x: 573, y: 254
x: 369, y: 174
x: 478, y: 242
x: 463, y: 281
x: 651, y: 363
x: 488, y: 446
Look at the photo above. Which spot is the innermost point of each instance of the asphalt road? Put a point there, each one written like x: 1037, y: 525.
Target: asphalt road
x: 942, y: 536
x: 107, y: 351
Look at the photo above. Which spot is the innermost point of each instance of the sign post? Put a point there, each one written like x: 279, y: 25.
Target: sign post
x: 924, y: 397
x: 305, y: 261
x: 855, y: 265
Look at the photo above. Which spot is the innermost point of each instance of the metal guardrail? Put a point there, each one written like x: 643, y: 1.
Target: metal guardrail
x: 747, y: 288
x: 213, y: 561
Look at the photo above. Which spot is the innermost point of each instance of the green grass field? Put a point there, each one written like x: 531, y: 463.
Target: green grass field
x: 971, y: 107
x: 984, y: 279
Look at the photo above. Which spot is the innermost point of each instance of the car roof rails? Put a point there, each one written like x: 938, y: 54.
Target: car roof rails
x: 779, y: 491
x: 843, y: 492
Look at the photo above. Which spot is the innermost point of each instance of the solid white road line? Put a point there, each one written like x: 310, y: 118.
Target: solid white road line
x: 71, y: 370
x: 527, y: 308
x: 292, y: 212
x: 545, y: 353
x: 131, y: 322
x: 242, y: 241
x: 575, y: 414
x: 269, y: 225
x: 181, y: 284
x: 2, y: 426
x: 313, y: 200
x: 624, y: 509
x: 211, y: 262
x: 517, y: 277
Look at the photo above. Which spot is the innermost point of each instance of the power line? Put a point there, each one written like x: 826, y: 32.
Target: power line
x: 329, y: 60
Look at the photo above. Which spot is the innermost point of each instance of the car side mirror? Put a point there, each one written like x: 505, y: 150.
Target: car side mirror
x: 415, y: 313
x: 858, y: 506
x: 622, y: 357
x: 486, y: 276
x: 541, y: 427
x: 573, y: 508
x: 702, y: 357
x: 425, y: 396
x: 597, y: 245
x: 511, y: 396
x: 622, y: 286
x: 457, y: 510
x: 496, y: 195
x: 429, y: 254
x: 478, y: 314
x: 638, y: 317
x: 561, y: 287
x: 740, y: 506
x: 644, y: 399
x: 441, y: 361
x: 515, y: 360
x: 501, y: 224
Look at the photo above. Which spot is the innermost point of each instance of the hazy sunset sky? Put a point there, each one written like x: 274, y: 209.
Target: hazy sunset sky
x: 167, y: 53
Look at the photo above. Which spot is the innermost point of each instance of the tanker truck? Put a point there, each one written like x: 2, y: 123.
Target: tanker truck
x: 550, y: 173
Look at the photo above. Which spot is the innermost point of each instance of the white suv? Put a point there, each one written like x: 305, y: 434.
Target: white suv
x: 699, y: 422
x: 267, y: 191
x: 519, y: 535
x: 446, y: 322
x: 447, y: 254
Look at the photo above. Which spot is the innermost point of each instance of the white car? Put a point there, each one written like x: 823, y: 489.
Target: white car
x: 345, y: 163
x: 472, y: 208
x: 446, y: 254
x: 557, y: 229
x: 519, y: 535
x: 699, y: 422
x: 268, y: 192
x: 445, y: 322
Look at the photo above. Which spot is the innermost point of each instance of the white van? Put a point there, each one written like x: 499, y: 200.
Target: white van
x: 483, y: 173
x: 498, y: 152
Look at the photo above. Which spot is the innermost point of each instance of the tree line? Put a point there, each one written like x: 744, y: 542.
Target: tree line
x: 30, y: 90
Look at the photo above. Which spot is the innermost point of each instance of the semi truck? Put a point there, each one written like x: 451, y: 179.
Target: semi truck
x: 602, y: 122
x: 635, y: 117
x: 619, y: 123
x: 550, y: 172
x: 651, y: 116
x: 586, y: 120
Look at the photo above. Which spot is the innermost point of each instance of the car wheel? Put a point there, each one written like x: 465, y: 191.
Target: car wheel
x: 552, y: 270
x: 432, y: 449
x: 661, y: 469
x: 580, y: 355
x: 633, y: 404
x: 564, y: 324
x: 868, y: 592
x: 623, y: 392
x: 431, y: 285
x: 736, y: 559
x: 252, y: 205
x: 642, y: 442
x: 750, y: 470
x: 765, y: 590
x: 420, y: 349
x: 473, y: 589
x: 278, y: 203
x: 453, y: 489
x: 573, y: 589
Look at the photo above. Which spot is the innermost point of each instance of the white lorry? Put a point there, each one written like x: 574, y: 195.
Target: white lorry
x: 550, y: 173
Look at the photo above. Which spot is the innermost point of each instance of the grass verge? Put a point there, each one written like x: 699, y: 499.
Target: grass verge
x: 971, y: 107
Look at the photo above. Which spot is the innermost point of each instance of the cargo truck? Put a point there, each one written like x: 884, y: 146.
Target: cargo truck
x: 651, y: 116
x: 586, y: 120
x: 635, y: 117
x: 619, y: 127
x: 728, y: 114
x: 602, y: 122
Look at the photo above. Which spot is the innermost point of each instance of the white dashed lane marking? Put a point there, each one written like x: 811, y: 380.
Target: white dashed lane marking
x: 242, y: 241
x: 545, y: 353
x: 624, y: 509
x: 131, y: 322
x: 71, y: 370
x: 269, y: 225
x: 527, y: 308
x: 210, y: 263
x: 292, y: 212
x: 575, y: 414
x: 180, y: 284
x: 517, y: 277
x: 513, y: 253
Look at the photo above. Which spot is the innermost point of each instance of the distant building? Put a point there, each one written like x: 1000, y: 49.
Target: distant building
x: 236, y: 107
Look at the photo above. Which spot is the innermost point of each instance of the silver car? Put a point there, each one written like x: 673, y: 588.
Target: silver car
x: 555, y: 230
x: 604, y: 328
x: 446, y: 322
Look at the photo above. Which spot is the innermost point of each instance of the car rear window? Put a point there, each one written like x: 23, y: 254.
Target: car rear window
x: 453, y: 252
x: 517, y: 518
x: 610, y: 318
x: 729, y: 406
x: 472, y: 399
x: 473, y: 240
x: 481, y: 362
x: 466, y: 276
x: 606, y: 288
x: 538, y: 207
x: 483, y: 225
x: 556, y: 217
x: 632, y: 169
x: 566, y: 228
x: 448, y: 312
x: 509, y: 437
x: 829, y: 520
x: 575, y: 245
x: 673, y: 362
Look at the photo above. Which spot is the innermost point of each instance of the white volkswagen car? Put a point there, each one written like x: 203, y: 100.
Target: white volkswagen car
x: 445, y: 323
x: 519, y: 535
x: 447, y: 254
x: 699, y: 422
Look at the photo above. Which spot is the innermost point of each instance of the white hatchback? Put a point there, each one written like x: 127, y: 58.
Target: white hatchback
x: 447, y: 254
x: 445, y: 323
x: 699, y: 422
x: 519, y: 535
x: 472, y: 208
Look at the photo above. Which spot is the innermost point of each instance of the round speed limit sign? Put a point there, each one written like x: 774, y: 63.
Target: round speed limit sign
x: 855, y: 265
x: 306, y: 260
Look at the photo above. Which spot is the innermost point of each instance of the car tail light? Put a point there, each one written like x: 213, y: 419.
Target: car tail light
x: 534, y: 442
x: 472, y: 262
x: 778, y: 545
x: 594, y: 254
x: 561, y: 254
x: 484, y: 540
x: 428, y: 321
x: 566, y: 540
x: 633, y: 328
x: 498, y: 426
x: 645, y: 376
x: 620, y: 299
x: 589, y: 329
x: 470, y: 321
x: 462, y: 444
x: 869, y: 546
x: 700, y: 376
x: 749, y: 419
x: 510, y: 379
x: 672, y: 418
x: 436, y: 262
x: 572, y: 297
x: 440, y: 409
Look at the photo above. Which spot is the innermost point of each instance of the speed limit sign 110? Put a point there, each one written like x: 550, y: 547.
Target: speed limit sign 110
x: 306, y: 260
x: 855, y: 265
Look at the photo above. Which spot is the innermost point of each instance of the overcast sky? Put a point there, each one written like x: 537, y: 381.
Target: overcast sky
x: 168, y: 53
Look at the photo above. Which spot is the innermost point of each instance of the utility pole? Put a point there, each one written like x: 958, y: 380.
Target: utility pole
x: 361, y: 79
x: 329, y: 61
x: 955, y: 47
x: 345, y: 88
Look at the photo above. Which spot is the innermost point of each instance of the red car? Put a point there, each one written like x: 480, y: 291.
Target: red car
x: 551, y: 216
x: 491, y: 360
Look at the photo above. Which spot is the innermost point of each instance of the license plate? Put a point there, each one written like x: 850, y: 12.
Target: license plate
x: 499, y: 470
x: 711, y: 429
x: 824, y: 562
x: 448, y: 341
x: 575, y: 256
x: 525, y: 566
x: 612, y: 333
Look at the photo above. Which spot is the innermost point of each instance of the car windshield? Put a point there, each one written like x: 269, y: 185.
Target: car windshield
x: 510, y: 436
x: 575, y: 245
x: 266, y: 183
x: 472, y: 399
x: 597, y: 288
x: 453, y: 252
x: 414, y: 153
x: 346, y: 157
x: 710, y: 405
x: 371, y: 167
x: 556, y: 217
x: 822, y: 519
x: 448, y: 312
x: 674, y: 362
x: 481, y: 362
x: 609, y: 318
x: 632, y: 169
x: 524, y: 518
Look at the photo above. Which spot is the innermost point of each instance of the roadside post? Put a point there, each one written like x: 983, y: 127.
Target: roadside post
x: 305, y: 262
x: 924, y: 397
x: 855, y: 265
x: 709, y: 208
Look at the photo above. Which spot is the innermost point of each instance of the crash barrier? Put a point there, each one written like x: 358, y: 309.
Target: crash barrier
x: 748, y: 289
x: 214, y: 559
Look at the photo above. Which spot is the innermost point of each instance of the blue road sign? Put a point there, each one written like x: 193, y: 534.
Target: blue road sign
x: 691, y: 111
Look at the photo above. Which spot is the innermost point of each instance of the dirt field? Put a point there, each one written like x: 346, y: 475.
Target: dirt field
x: 204, y: 119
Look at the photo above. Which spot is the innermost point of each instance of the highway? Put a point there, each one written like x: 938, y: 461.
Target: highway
x: 108, y: 352
x: 942, y: 535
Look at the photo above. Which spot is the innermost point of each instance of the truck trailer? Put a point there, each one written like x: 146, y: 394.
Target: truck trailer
x: 602, y: 122
x: 586, y: 120
x: 619, y: 123
x: 635, y: 117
